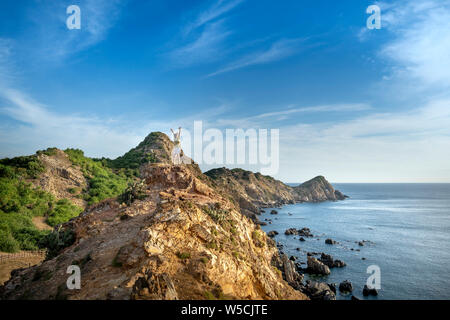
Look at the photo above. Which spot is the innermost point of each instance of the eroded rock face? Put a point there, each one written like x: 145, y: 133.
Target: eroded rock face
x: 183, y: 241
x: 60, y: 177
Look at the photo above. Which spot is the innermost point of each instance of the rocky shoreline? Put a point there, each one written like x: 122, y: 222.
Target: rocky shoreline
x: 294, y: 273
x: 318, y: 264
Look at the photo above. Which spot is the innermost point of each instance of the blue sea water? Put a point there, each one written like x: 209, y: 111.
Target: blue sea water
x: 408, y: 226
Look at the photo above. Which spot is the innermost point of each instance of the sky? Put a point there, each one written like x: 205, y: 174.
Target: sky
x: 351, y: 103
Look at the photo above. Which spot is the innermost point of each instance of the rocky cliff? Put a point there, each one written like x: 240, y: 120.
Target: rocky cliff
x: 183, y: 240
x: 253, y: 191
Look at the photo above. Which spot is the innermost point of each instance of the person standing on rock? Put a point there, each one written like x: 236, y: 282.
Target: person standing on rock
x: 176, y: 152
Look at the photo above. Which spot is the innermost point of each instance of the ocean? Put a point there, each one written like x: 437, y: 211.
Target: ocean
x: 407, y: 226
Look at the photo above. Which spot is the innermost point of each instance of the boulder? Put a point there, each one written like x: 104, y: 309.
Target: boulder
x: 317, y: 267
x: 346, y: 286
x: 274, y: 212
x: 369, y: 291
x: 329, y: 261
x: 272, y: 233
x: 291, y: 231
x: 330, y: 241
x: 339, y: 264
x: 302, y: 239
x: 318, y: 291
x: 305, y: 232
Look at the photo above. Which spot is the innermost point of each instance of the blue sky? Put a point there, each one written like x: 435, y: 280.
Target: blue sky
x: 353, y: 104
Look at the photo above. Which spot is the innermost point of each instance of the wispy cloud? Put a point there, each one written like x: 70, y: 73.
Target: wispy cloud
x: 278, y: 50
x: 202, y: 39
x: 54, y: 42
x: 322, y: 108
x: 205, y: 48
x: 420, y: 49
x: 218, y: 9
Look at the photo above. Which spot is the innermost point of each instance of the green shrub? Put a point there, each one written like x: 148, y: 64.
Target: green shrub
x: 57, y: 240
x: 183, y: 255
x: 103, y: 182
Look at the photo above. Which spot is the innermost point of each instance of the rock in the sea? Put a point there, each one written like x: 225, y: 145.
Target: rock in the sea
x: 329, y: 261
x: 339, y: 264
x: 302, y: 239
x: 330, y: 241
x: 274, y: 212
x: 360, y: 243
x: 332, y: 287
x: 346, y: 286
x: 319, y: 291
x: 317, y: 267
x: 369, y: 291
x: 272, y: 233
x: 305, y: 232
x: 291, y: 231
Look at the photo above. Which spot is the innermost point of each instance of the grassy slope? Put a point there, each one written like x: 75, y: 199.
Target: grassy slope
x: 20, y: 201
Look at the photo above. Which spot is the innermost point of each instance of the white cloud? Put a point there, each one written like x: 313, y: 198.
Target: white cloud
x: 205, y: 48
x: 218, y: 9
x: 408, y: 146
x: 421, y: 45
x: 278, y: 50
x: 203, y: 38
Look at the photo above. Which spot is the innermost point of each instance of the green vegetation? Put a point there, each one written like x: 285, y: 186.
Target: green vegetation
x: 20, y: 201
x: 133, y: 159
x: 103, y: 182
x: 57, y: 240
x: 134, y: 191
x: 209, y: 296
x: 183, y: 255
x: 258, y: 239
x: 216, y: 213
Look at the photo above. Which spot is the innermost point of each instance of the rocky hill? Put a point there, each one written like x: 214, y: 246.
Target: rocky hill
x: 184, y: 240
x: 149, y: 229
x: 318, y: 189
x: 253, y: 191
